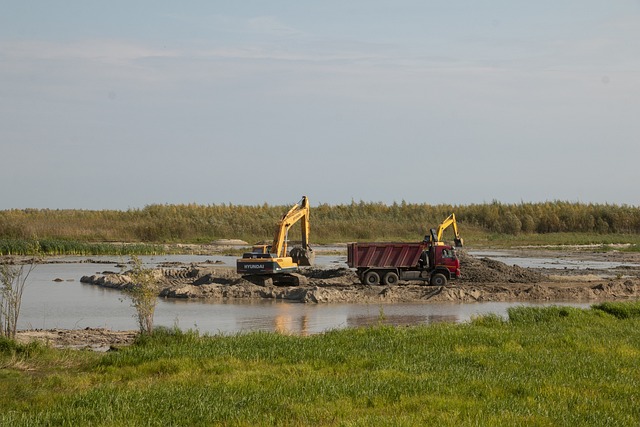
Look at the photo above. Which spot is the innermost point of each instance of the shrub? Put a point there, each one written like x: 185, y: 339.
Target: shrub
x: 13, y: 279
x: 488, y: 320
x: 526, y: 315
x: 621, y: 310
x: 143, y: 294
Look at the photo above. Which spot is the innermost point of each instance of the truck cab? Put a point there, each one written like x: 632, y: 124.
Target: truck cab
x: 445, y: 258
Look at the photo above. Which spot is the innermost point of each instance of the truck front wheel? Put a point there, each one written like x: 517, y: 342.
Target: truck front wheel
x: 390, y: 279
x: 438, y: 279
x: 371, y: 278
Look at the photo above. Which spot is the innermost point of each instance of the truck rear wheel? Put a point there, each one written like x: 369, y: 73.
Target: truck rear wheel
x: 390, y: 279
x: 438, y: 279
x: 371, y: 278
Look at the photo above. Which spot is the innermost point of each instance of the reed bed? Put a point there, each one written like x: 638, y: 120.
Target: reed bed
x: 55, y: 247
x: 497, y: 223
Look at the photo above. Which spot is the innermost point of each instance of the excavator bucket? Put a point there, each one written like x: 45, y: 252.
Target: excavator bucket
x: 458, y: 242
x: 303, y: 257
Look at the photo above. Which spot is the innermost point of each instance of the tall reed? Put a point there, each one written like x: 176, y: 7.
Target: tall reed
x: 330, y: 223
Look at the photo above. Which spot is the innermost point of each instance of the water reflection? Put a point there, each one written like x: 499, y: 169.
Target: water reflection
x: 555, y: 263
x: 286, y: 321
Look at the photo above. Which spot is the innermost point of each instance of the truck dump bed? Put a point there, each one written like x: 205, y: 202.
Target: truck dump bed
x: 397, y: 255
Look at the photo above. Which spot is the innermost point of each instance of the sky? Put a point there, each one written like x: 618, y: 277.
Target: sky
x: 123, y: 104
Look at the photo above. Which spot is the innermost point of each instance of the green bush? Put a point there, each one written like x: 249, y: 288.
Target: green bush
x: 7, y: 345
x: 491, y: 320
x: 621, y: 310
x: 532, y: 315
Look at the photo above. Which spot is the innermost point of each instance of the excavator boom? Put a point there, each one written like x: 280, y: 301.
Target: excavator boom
x: 299, y: 212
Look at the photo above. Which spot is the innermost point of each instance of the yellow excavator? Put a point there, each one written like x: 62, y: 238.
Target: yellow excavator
x: 271, y: 264
x: 436, y: 234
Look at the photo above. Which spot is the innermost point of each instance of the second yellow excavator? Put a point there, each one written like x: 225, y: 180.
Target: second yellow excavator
x: 271, y: 263
x: 436, y: 235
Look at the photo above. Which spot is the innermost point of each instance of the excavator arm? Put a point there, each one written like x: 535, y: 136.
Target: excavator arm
x: 449, y: 221
x: 299, y: 212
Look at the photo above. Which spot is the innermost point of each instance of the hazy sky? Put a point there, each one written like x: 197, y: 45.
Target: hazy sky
x: 121, y: 104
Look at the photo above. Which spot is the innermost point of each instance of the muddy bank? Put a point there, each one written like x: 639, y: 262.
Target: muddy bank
x: 96, y: 339
x: 483, y: 280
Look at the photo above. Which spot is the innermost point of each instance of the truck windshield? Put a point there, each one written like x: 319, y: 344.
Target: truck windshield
x: 448, y: 253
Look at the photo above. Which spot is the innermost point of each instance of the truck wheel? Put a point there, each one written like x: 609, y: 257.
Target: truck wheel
x: 438, y: 279
x: 390, y: 279
x: 371, y: 278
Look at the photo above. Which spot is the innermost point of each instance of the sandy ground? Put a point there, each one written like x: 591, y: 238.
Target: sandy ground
x: 96, y: 339
x: 483, y: 280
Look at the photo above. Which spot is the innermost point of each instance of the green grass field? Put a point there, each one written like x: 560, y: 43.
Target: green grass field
x: 552, y: 366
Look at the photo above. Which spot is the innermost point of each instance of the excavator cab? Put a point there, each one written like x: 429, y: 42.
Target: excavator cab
x: 261, y: 249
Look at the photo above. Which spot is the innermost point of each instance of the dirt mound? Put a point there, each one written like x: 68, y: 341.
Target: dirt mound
x: 188, y: 281
x: 229, y: 242
x: 486, y: 270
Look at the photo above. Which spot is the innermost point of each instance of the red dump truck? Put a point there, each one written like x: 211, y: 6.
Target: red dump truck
x: 387, y: 263
x: 430, y: 260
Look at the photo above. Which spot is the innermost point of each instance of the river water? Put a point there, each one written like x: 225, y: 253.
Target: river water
x: 69, y: 304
